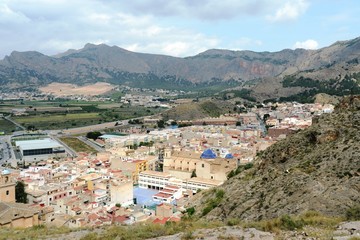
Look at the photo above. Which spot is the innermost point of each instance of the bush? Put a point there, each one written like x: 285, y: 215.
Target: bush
x: 190, y: 211
x: 220, y: 194
x: 207, y: 210
x: 353, y: 213
x: 233, y: 222
x: 248, y: 166
x: 287, y: 223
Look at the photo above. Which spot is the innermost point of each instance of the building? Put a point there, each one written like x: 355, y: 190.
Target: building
x: 132, y: 166
x: 7, y: 187
x: 40, y: 149
x: 121, y: 192
x: 164, y: 210
x: 185, y: 165
x: 18, y: 215
x: 159, y: 180
x: 168, y: 194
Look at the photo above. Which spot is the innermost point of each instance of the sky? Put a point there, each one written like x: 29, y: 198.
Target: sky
x: 175, y: 27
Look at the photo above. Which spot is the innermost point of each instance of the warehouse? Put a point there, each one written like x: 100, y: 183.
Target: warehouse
x: 39, y: 149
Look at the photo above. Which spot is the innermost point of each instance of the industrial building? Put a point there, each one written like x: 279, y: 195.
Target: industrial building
x: 39, y: 149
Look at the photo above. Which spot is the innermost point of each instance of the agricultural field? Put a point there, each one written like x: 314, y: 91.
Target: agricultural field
x: 6, y: 126
x: 58, y: 121
x: 49, y: 115
x: 77, y: 145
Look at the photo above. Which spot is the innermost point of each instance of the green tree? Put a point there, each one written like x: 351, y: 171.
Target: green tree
x: 266, y: 116
x: 93, y: 135
x: 20, y: 194
x: 161, y: 124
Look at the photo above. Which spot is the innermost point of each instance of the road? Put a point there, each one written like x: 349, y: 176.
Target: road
x: 91, y: 144
x: 101, y: 126
x: 69, y: 150
x: 97, y: 127
x: 7, y: 155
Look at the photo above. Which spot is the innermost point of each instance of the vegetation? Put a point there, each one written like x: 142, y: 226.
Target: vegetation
x: 353, y: 213
x: 211, y: 108
x: 36, y: 232
x: 160, y: 124
x: 213, y: 202
x: 243, y: 93
x: 20, y: 194
x: 239, y: 169
x: 93, y: 135
x: 62, y: 114
x: 6, y: 126
x: 339, y: 87
x: 148, y: 230
x: 77, y: 145
x: 286, y: 222
x: 319, y: 224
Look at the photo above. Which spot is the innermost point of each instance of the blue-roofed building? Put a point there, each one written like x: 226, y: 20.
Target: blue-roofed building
x: 229, y: 156
x: 208, y: 154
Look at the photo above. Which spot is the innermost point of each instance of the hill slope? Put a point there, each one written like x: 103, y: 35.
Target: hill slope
x: 198, y: 110
x: 315, y: 169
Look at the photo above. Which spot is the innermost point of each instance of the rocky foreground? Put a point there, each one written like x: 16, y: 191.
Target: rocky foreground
x: 345, y: 231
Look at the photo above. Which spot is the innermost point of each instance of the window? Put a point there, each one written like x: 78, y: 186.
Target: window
x: 7, y: 192
x: 203, y: 165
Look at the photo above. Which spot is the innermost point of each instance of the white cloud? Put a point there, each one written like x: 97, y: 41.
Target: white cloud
x: 308, y: 44
x: 7, y: 15
x: 291, y: 10
x: 209, y: 10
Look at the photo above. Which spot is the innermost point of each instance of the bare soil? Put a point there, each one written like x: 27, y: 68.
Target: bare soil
x: 67, y: 89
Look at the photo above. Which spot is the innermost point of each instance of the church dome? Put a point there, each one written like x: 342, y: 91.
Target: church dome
x: 208, y: 154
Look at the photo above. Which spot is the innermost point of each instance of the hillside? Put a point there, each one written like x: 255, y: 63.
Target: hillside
x: 315, y: 169
x: 198, y: 110
x: 267, y: 74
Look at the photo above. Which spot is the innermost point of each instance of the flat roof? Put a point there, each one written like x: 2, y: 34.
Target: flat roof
x: 37, y: 144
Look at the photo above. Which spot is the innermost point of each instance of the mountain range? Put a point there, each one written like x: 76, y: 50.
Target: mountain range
x: 266, y: 74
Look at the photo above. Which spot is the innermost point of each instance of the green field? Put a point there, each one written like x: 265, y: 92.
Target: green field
x: 6, y: 126
x: 59, y: 121
x: 77, y: 145
x: 64, y: 114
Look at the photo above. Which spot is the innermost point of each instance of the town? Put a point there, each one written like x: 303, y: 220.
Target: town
x: 138, y: 173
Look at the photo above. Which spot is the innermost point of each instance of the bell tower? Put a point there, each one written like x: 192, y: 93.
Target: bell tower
x: 7, y: 187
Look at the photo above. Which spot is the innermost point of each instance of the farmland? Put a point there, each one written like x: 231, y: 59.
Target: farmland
x: 6, y: 126
x: 69, y: 114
